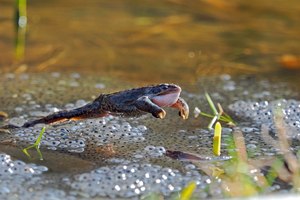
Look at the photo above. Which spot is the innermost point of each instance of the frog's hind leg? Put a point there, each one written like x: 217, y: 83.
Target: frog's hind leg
x: 146, y: 105
x: 51, y: 119
x: 63, y: 116
x: 87, y: 111
x: 86, y: 116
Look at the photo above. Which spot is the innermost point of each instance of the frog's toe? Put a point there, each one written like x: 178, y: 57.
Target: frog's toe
x: 161, y: 114
x: 183, y: 108
x: 184, y: 114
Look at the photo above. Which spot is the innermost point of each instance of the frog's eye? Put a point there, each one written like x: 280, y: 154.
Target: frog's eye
x: 164, y: 86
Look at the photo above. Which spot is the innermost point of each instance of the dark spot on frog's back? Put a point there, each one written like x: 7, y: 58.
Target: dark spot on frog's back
x: 164, y: 87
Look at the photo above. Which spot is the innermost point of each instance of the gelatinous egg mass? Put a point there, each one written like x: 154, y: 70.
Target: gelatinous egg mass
x: 121, y: 157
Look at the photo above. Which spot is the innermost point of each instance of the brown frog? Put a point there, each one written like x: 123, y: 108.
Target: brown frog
x: 131, y: 102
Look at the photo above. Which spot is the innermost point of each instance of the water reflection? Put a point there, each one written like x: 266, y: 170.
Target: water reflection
x: 154, y: 41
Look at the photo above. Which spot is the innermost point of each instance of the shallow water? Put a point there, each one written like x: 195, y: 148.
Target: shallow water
x: 173, y: 41
x: 76, y: 50
x: 128, y: 157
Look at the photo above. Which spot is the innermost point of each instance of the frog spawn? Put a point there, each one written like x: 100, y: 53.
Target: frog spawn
x: 123, y: 180
x: 132, y: 180
x: 17, y: 177
x: 12, y: 168
x: 263, y: 113
x: 152, y: 142
x: 74, y: 136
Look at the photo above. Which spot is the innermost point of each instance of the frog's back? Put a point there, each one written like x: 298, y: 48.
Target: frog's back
x: 128, y: 97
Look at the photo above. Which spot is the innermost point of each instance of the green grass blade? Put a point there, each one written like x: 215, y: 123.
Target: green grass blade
x: 36, y: 145
x: 207, y: 115
x: 211, y: 104
x: 229, y: 118
x: 38, y: 140
x: 26, y: 152
x: 39, y: 152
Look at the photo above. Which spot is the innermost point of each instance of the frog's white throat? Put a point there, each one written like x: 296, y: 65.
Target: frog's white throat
x: 166, y: 100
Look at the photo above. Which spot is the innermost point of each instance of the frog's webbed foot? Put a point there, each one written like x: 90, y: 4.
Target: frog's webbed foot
x: 146, y: 105
x: 183, y: 108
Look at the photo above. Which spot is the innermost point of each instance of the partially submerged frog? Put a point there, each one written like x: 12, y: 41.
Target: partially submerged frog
x: 132, y: 102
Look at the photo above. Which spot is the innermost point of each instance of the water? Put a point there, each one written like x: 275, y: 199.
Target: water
x: 175, y: 41
x: 76, y: 50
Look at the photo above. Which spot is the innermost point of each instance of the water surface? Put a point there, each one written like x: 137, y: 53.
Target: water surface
x: 76, y: 50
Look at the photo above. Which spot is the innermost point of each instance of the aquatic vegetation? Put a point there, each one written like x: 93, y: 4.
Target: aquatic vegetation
x: 187, y: 192
x: 217, y: 139
x: 20, y: 26
x: 243, y: 176
x: 36, y: 145
x: 217, y: 115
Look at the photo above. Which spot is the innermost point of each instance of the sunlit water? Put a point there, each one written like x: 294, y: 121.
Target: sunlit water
x: 173, y: 40
x: 76, y: 50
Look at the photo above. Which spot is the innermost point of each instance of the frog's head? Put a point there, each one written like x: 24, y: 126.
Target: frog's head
x: 165, y: 95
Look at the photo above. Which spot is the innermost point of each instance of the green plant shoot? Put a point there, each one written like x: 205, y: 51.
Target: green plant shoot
x: 211, y: 104
x: 187, y: 192
x: 36, y: 145
x: 217, y: 139
x: 217, y: 115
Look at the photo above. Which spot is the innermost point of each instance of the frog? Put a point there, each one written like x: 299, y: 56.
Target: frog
x: 131, y: 102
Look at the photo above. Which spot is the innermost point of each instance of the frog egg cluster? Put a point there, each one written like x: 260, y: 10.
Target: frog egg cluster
x: 264, y: 113
x: 151, y: 152
x: 131, y: 180
x: 10, y: 168
x: 28, y: 189
x: 27, y: 98
x: 47, y: 193
x: 17, y: 177
x: 75, y: 136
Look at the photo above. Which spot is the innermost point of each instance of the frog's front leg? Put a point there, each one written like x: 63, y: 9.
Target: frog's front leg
x: 145, y: 104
